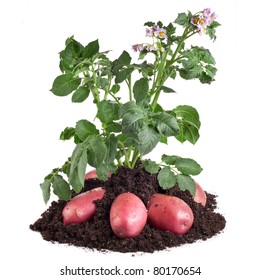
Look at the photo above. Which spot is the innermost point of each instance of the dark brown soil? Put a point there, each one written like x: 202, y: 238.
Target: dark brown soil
x: 97, y: 234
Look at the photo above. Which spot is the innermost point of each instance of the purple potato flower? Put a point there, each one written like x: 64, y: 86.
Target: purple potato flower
x: 204, y: 19
x: 138, y: 47
x: 159, y: 32
x: 151, y: 48
x: 149, y: 32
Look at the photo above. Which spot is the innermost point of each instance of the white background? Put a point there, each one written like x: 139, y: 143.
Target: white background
x: 32, y: 34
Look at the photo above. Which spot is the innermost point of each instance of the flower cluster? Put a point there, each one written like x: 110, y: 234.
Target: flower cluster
x: 203, y: 19
x: 144, y: 47
x: 156, y: 31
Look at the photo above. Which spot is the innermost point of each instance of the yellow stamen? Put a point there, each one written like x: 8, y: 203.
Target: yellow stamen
x: 196, y: 20
x: 202, y: 21
x: 161, y: 33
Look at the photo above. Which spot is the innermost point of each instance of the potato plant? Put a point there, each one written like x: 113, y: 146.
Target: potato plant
x: 131, y: 130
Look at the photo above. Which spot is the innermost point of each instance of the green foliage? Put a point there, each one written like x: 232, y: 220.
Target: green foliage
x: 129, y: 122
x: 183, y: 19
x: 166, y: 178
x: 141, y: 89
x: 189, y: 123
x: 65, y: 84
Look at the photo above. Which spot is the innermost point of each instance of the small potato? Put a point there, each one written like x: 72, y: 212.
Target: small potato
x: 93, y: 174
x: 82, y: 207
x: 200, y: 196
x: 169, y: 213
x: 128, y: 215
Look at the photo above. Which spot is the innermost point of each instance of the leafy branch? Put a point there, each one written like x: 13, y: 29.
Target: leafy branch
x: 132, y: 129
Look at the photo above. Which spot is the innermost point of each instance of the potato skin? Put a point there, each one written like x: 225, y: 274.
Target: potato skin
x: 128, y: 215
x: 169, y: 213
x: 200, y: 196
x: 92, y: 174
x: 81, y: 208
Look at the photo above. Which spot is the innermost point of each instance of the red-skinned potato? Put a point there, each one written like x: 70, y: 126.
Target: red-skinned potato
x: 128, y: 215
x: 169, y: 213
x: 82, y: 207
x: 93, y: 174
x: 200, y: 196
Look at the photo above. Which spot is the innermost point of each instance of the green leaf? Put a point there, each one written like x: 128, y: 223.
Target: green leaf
x: 188, y: 132
x: 170, y: 29
x: 149, y: 23
x: 65, y: 84
x: 66, y: 167
x: 166, y: 124
x: 74, y: 179
x: 67, y: 133
x: 91, y: 49
x: 82, y: 165
x: 129, y: 107
x: 113, y: 127
x: 108, y: 111
x: 84, y: 129
x: 102, y: 172
x: 140, y: 89
x: 128, y: 139
x: 189, y: 123
x: 188, y: 114
x: 115, y: 88
x: 192, y: 73
x: 185, y: 182
x: 164, y: 140
x: 167, y: 89
x: 211, y: 30
x: 150, y: 166
x: 123, y: 60
x: 132, y: 122
x: 149, y: 137
x: 166, y: 178
x: 205, y: 79
x: 188, y: 166
x: 123, y: 75
x: 158, y: 108
x: 61, y: 188
x: 182, y: 19
x: 46, y: 190
x: 111, y: 144
x: 102, y: 82
x: 71, y: 54
x: 171, y: 160
x: 96, y: 151
x: 80, y: 95
x: 210, y: 71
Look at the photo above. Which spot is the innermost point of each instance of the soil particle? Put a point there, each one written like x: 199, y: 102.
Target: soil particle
x: 97, y: 233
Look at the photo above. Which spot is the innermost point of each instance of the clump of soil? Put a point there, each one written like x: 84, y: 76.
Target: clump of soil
x: 97, y: 233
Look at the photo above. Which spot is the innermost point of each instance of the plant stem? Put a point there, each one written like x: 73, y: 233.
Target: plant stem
x: 136, y: 155
x: 95, y: 88
x: 129, y: 84
x: 116, y: 99
x: 183, y: 38
x: 158, y: 82
x: 127, y: 163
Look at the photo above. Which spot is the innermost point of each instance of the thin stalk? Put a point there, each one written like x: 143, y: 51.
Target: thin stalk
x: 183, y: 38
x: 129, y: 84
x: 116, y: 99
x: 158, y: 82
x: 127, y: 163
x: 135, y: 157
x: 95, y: 90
